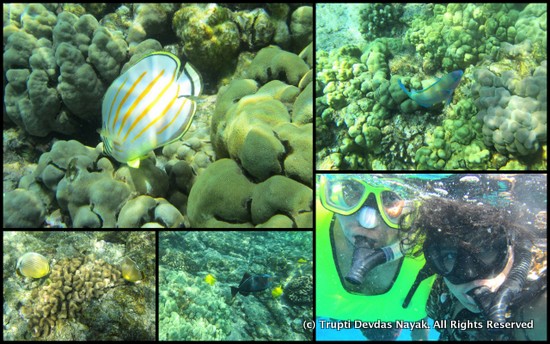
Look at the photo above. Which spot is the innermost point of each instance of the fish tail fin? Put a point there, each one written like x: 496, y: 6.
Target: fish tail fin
x: 234, y: 291
x: 402, y: 87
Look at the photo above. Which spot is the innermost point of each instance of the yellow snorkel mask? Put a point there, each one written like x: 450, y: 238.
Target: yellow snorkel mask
x: 346, y: 195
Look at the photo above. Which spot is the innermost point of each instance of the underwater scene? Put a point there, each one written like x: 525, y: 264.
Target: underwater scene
x: 453, y: 86
x: 455, y: 257
x: 158, y: 115
x: 238, y: 286
x: 78, y: 286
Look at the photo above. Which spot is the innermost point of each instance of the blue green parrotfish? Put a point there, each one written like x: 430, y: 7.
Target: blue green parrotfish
x: 439, y: 91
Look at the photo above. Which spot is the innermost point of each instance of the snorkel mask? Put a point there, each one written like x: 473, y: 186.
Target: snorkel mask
x: 347, y: 196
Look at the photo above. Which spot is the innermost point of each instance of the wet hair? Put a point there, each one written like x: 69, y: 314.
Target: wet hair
x: 473, y: 226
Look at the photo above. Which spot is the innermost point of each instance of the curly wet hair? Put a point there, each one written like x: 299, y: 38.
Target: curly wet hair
x: 474, y: 226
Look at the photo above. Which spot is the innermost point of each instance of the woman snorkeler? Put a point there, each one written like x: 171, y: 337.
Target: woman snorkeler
x: 491, y: 281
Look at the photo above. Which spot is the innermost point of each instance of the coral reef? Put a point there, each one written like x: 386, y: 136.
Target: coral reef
x: 300, y: 290
x: 513, y: 110
x: 209, y: 37
x: 22, y: 208
x: 192, y: 309
x: 378, y: 20
x: 56, y: 80
x: 84, y: 297
x: 72, y: 283
x: 59, y: 60
x: 365, y: 121
x: 252, y: 125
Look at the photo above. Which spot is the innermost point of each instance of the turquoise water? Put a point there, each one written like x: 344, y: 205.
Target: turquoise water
x: 193, y: 307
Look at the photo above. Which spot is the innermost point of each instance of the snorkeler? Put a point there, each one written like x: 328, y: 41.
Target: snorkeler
x: 361, y: 271
x: 491, y: 274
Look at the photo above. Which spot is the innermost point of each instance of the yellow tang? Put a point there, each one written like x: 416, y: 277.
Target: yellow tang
x: 148, y: 107
x: 210, y: 279
x: 276, y: 292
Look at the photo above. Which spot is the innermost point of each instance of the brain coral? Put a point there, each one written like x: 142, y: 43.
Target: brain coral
x: 73, y: 283
x: 513, y: 110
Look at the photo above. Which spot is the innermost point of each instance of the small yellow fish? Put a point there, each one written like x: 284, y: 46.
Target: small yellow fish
x: 210, y: 279
x: 130, y: 271
x: 276, y: 292
x: 302, y: 261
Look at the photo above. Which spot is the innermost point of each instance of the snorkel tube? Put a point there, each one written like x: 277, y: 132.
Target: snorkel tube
x: 512, y: 285
x: 365, y: 259
x: 494, y: 305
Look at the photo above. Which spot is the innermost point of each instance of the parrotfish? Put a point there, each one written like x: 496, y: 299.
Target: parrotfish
x: 148, y: 106
x: 439, y: 91
x: 251, y: 284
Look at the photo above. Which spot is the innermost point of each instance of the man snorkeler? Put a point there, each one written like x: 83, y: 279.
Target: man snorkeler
x: 361, y: 272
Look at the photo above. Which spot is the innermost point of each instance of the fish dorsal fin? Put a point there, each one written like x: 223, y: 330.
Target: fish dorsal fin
x: 190, y: 81
x: 246, y: 276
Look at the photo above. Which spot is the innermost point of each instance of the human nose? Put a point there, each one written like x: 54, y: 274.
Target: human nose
x: 367, y: 217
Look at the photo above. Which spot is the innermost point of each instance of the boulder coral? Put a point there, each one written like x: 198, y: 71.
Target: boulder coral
x: 92, y: 194
x: 209, y: 37
x: 55, y: 80
x: 512, y: 109
x: 224, y: 197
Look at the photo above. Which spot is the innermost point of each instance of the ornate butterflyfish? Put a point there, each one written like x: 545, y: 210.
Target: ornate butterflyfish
x: 148, y: 106
x: 439, y: 91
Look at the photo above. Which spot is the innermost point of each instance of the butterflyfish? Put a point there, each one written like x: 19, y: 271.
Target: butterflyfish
x: 130, y: 271
x: 210, y: 279
x: 148, y: 106
x: 439, y: 91
x: 251, y: 284
x: 32, y: 265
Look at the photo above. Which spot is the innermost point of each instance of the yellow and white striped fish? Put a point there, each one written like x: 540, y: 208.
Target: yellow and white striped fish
x: 146, y: 107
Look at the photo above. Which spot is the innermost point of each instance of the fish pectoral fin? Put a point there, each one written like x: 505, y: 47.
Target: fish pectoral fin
x: 134, y: 163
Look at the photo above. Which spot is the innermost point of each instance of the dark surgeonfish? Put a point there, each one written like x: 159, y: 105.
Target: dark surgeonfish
x: 251, y: 284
